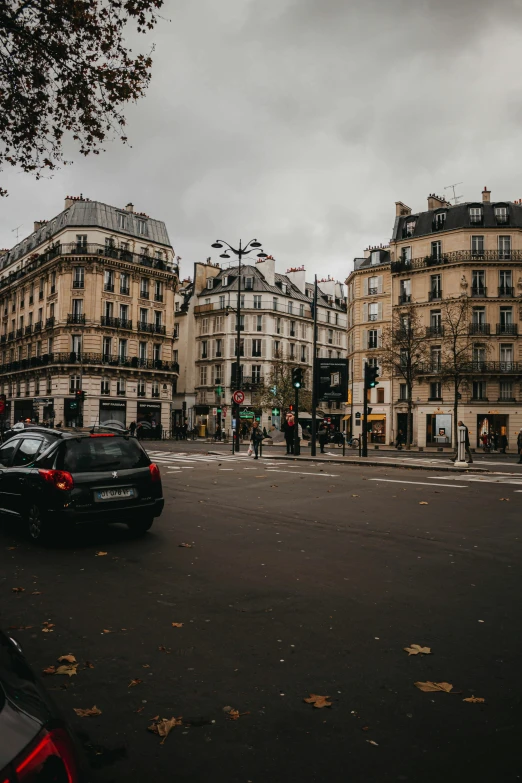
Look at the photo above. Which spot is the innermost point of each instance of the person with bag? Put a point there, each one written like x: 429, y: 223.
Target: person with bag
x: 289, y: 431
x: 519, y: 446
x: 256, y: 436
x: 400, y: 441
x: 323, y: 436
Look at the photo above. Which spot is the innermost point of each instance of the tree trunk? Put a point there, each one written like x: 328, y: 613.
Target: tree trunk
x: 455, y: 416
x: 409, y: 420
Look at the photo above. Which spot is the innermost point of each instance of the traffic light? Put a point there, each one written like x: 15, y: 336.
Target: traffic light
x: 297, y: 377
x: 370, y: 376
x: 79, y: 394
x: 219, y: 390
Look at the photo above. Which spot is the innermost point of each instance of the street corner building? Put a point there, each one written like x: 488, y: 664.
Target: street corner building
x: 465, y: 256
x: 276, y: 325
x: 87, y: 319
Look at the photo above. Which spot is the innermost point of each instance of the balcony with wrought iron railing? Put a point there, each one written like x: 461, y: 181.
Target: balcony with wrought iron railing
x: 76, y: 318
x: 89, y: 359
x: 116, y: 323
x: 404, y: 299
x: 479, y: 328
x: 508, y: 329
x: 472, y: 368
x: 479, y: 291
x: 506, y: 291
x: 455, y: 257
x: 435, y: 295
x: 435, y: 331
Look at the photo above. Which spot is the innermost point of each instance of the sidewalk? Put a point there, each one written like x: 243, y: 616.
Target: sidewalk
x: 368, y: 461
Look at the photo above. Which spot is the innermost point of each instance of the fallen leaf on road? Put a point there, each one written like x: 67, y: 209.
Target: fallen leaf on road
x: 88, y: 712
x: 164, y: 726
x: 67, y: 658
x: 50, y: 670
x: 272, y: 486
x: 88, y: 665
x: 132, y: 683
x: 423, y: 503
x: 371, y: 742
x: 18, y: 589
x: 47, y: 627
x: 177, y: 625
x: 140, y: 709
x: 430, y: 687
x: 475, y: 700
x: 415, y: 649
x: 505, y: 499
x: 162, y: 648
x: 19, y: 627
x: 235, y: 714
x: 106, y: 630
x: 67, y: 669
x: 188, y: 546
x: 318, y: 701
x: 101, y: 554
x: 11, y: 547
x: 36, y: 592
x: 145, y: 666
x: 355, y: 496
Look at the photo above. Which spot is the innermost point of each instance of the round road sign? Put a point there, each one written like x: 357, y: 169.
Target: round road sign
x: 238, y: 397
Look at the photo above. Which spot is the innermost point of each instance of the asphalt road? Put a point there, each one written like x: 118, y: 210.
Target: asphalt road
x: 301, y: 579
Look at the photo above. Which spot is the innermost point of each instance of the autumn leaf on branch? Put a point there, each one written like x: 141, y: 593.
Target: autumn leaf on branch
x: 432, y: 687
x: 318, y: 701
x: 416, y: 649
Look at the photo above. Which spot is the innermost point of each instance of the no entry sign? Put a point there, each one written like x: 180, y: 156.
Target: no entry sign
x: 238, y: 397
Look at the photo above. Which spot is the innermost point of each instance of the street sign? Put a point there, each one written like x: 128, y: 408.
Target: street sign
x: 246, y: 415
x: 224, y: 410
x: 214, y: 411
x: 238, y: 397
x: 331, y: 379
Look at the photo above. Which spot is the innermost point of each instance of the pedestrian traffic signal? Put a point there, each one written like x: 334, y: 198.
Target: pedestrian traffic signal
x: 219, y: 390
x: 297, y: 377
x: 79, y: 394
x: 370, y: 376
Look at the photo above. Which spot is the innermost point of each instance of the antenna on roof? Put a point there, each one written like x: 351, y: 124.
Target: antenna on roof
x: 17, y: 229
x: 456, y: 198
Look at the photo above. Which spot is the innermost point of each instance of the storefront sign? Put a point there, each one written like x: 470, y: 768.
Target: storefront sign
x: 153, y: 408
x: 246, y: 414
x: 331, y: 379
x: 107, y: 405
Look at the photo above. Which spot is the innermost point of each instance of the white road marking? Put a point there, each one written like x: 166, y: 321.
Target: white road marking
x: 484, y: 479
x: 424, y: 483
x: 300, y: 473
x: 226, y: 468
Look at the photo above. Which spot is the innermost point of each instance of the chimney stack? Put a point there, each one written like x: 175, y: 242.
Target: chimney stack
x: 38, y: 224
x: 436, y: 202
x: 486, y: 195
x: 401, y: 210
x: 130, y: 207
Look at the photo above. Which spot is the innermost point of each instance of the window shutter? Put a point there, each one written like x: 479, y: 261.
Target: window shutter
x: 365, y: 286
x: 379, y: 311
x: 232, y: 347
x: 365, y: 311
x: 248, y: 347
x: 263, y: 348
x: 213, y: 349
x: 246, y: 322
x: 379, y: 338
x: 379, y: 283
x: 365, y: 339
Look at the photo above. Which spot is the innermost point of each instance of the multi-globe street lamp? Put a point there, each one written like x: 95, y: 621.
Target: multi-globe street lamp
x: 239, y: 252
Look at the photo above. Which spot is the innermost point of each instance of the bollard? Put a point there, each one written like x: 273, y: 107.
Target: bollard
x: 460, y: 462
x: 344, y: 445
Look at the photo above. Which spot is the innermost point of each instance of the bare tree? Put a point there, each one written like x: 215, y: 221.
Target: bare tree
x: 457, y: 350
x: 279, y: 392
x: 404, y: 353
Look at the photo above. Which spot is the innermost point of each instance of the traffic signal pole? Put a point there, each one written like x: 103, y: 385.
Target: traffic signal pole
x: 313, y: 445
x: 297, y: 442
x: 365, y: 414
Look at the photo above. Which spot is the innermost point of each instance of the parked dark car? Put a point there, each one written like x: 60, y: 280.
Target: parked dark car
x: 54, y: 479
x: 36, y: 745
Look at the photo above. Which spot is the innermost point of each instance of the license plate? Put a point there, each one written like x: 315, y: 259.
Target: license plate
x: 114, y: 494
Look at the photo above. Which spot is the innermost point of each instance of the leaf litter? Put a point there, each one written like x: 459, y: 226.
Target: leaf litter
x: 433, y: 687
x: 88, y: 713
x: 416, y: 649
x: 475, y: 699
x: 318, y: 701
x: 163, y: 726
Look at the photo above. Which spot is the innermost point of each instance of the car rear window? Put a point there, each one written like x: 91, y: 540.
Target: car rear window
x: 93, y: 454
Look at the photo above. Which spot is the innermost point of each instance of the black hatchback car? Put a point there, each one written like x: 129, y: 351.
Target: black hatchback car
x: 36, y: 745
x: 54, y: 479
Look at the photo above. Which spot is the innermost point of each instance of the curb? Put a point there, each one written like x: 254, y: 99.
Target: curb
x: 444, y: 468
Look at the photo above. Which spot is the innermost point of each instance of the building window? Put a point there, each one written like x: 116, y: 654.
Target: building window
x: 475, y: 214
x: 124, y: 283
x: 144, y: 315
x: 380, y: 395
x: 158, y: 291
x: 504, y: 247
x: 105, y: 386
x: 176, y: 307
x: 506, y: 320
x: 506, y: 390
x: 219, y: 347
x: 506, y: 356
x: 249, y: 283
x: 144, y: 288
x: 122, y: 350
x: 107, y: 348
x: 122, y: 223
x: 478, y: 282
x: 242, y: 301
x: 505, y: 282
x: 435, y: 390
x: 75, y: 383
x: 156, y: 352
x: 373, y: 311
x: 205, y: 325
x: 120, y: 387
x: 290, y: 308
x: 274, y: 303
x: 375, y: 257
x: 109, y: 280
x: 435, y: 358
x: 439, y: 221
x: 477, y: 246
x: 109, y: 309
x: 141, y: 389
x: 330, y: 336
x: 76, y: 344
x: 277, y: 349
x: 301, y: 310
x: 81, y: 242
x: 435, y: 287
x: 79, y: 277
x: 142, y: 228
x: 372, y: 338
x: 204, y: 349
x: 405, y: 292
x: 406, y: 254
x: 222, y: 302
x: 142, y: 351
x: 259, y: 323
x: 410, y: 228
x: 256, y: 373
x: 501, y: 214
x: 256, y: 347
x: 203, y: 376
x: 303, y: 353
x: 155, y: 389
x: 403, y: 391
x: 176, y: 331
x: 257, y: 302
x: 479, y: 390
x: 158, y: 318
x: 436, y: 250
x: 292, y: 329
x: 124, y: 314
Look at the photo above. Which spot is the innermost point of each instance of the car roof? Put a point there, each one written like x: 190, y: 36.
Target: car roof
x: 68, y: 432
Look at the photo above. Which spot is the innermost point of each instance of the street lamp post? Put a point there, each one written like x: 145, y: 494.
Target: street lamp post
x: 239, y: 252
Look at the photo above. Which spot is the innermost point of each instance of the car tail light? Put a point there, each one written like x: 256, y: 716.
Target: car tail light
x: 50, y: 757
x: 60, y: 479
x: 102, y: 435
x: 154, y: 472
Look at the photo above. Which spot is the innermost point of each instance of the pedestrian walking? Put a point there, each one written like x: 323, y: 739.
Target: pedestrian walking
x: 503, y: 443
x: 466, y: 442
x: 519, y: 446
x: 323, y: 436
x: 256, y: 436
x: 494, y: 441
x: 217, y: 434
x: 399, y: 441
x: 289, y: 430
x: 132, y: 428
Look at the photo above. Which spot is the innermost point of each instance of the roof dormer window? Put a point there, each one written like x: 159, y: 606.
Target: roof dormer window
x: 249, y: 283
x: 224, y: 280
x: 121, y: 222
x: 475, y: 215
x: 210, y: 282
x: 501, y: 214
x: 439, y: 221
x: 410, y: 227
x: 375, y: 257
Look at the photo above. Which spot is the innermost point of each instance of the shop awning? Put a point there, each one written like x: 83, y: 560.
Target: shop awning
x: 376, y: 416
x: 305, y: 415
x: 347, y: 417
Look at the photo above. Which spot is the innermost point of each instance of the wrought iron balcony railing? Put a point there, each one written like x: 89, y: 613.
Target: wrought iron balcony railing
x: 479, y: 329
x: 473, y: 368
x: 88, y: 358
x: 76, y: 318
x: 455, y: 257
x: 511, y: 329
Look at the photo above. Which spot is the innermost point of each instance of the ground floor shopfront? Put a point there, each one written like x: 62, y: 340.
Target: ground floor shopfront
x: 378, y: 423
x: 434, y: 427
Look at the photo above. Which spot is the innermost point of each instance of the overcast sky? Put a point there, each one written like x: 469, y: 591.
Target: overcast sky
x: 302, y: 122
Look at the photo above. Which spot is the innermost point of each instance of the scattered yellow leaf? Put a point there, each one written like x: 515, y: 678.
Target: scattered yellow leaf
x: 164, y: 726
x: 188, y: 546
x: 36, y: 592
x: 88, y: 665
x: 475, y: 700
x: 423, y: 503
x: 371, y: 742
x: 50, y: 670
x: 88, y: 712
x: 415, y: 649
x: 430, y: 687
x: 318, y: 701
x: 106, y: 630
x: 177, y: 625
x: 67, y: 669
x: 101, y: 554
x: 146, y: 665
x: 235, y: 714
x: 505, y: 499
x: 132, y: 683
x: 18, y: 589
x: 47, y: 627
x: 67, y: 658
